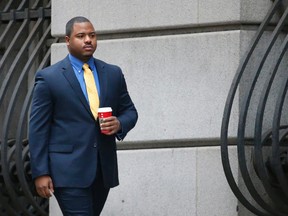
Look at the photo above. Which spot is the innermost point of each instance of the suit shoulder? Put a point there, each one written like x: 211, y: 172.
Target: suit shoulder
x: 52, y: 68
x: 102, y: 63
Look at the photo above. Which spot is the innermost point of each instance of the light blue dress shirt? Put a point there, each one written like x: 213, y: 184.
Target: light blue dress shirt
x: 79, y: 72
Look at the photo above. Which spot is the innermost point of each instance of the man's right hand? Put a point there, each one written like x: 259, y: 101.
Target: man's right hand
x: 44, y: 186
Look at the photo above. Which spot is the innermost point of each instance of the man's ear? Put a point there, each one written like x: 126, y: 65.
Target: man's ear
x: 67, y: 39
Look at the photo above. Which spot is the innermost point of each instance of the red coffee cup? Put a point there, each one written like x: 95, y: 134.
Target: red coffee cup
x: 104, y: 112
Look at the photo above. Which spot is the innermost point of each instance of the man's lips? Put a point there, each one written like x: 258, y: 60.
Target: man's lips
x: 88, y: 47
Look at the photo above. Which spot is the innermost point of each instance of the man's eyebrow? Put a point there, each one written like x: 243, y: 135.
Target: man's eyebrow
x: 80, y: 33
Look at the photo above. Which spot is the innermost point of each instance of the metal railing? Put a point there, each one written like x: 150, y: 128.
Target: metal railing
x: 25, y: 42
x: 260, y: 87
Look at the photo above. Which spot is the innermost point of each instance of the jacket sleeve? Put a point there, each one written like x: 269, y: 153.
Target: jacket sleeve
x: 127, y: 113
x: 39, y: 127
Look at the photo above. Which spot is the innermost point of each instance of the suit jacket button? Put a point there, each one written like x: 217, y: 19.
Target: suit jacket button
x: 95, y: 145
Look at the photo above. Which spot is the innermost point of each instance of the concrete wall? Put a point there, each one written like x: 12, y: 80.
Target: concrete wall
x: 179, y: 59
x: 175, y: 81
x: 177, y: 181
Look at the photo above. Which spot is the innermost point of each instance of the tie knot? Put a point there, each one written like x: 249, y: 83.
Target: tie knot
x: 86, y: 66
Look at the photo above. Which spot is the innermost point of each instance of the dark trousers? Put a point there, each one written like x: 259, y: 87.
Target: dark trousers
x: 83, y: 201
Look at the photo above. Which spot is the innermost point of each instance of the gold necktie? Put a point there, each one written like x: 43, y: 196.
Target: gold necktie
x: 91, y: 90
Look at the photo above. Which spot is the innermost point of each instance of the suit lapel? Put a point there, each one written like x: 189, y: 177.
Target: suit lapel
x: 103, y: 81
x: 72, y: 79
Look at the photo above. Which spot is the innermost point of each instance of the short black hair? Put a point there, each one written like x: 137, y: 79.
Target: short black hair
x: 70, y: 23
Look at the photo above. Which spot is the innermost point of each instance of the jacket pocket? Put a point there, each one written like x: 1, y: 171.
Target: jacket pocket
x: 61, y: 148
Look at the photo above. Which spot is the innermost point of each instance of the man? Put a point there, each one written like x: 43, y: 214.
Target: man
x: 70, y: 157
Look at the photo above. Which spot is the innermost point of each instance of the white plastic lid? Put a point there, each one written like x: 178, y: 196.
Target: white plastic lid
x: 105, y: 109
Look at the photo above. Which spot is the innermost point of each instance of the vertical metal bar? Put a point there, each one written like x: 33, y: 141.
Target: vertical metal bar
x: 242, y: 122
x: 259, y: 140
x: 17, y: 184
x: 7, y: 119
x: 19, y: 163
x: 275, y: 136
x: 10, y: 24
x: 227, y: 113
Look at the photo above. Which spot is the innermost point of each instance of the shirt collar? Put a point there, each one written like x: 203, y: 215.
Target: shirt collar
x: 78, y: 64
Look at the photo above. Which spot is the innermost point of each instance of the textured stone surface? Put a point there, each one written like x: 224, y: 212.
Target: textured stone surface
x: 179, y: 83
x: 167, y: 185
x: 169, y: 182
x: 211, y: 11
x: 212, y: 187
x: 124, y: 15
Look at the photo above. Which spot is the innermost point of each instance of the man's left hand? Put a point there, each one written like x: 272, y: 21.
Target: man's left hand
x: 110, y: 124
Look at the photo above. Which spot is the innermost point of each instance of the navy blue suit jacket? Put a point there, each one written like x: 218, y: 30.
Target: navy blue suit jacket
x: 64, y: 138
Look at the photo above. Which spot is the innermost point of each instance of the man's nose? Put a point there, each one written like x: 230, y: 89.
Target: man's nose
x: 87, y: 39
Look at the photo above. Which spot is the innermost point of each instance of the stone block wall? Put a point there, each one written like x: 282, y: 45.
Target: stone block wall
x: 179, y: 59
